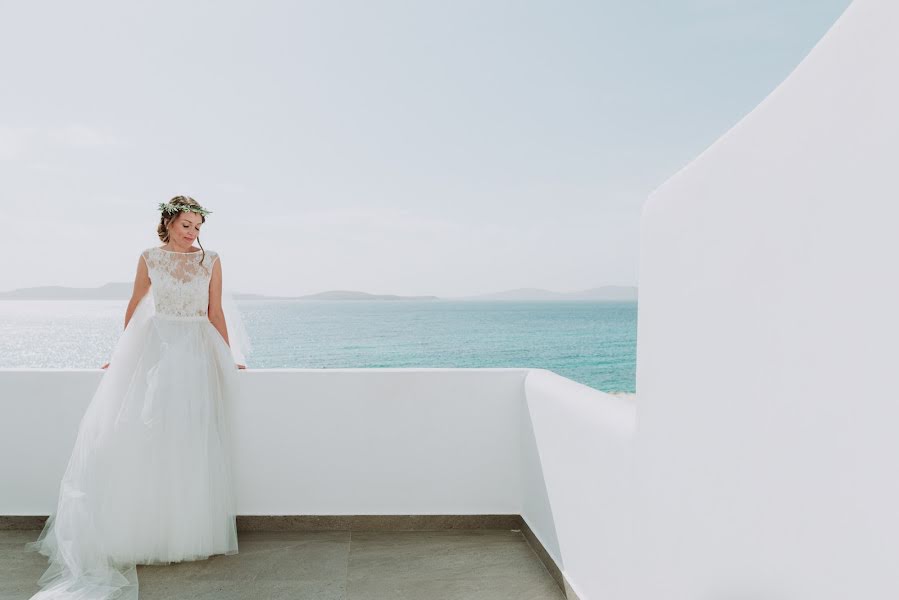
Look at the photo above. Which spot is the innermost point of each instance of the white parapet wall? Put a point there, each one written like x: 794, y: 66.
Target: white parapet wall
x: 307, y: 441
x: 582, y: 480
x: 768, y: 402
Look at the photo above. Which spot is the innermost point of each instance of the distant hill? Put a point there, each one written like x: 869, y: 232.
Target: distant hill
x: 110, y: 291
x: 350, y: 295
x: 609, y: 293
x: 122, y: 291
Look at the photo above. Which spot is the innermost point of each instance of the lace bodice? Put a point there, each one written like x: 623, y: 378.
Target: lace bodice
x: 180, y: 283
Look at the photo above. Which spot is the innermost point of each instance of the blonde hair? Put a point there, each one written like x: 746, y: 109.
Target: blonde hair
x: 162, y: 230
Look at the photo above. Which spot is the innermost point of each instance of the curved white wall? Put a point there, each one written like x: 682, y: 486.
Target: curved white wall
x: 768, y: 400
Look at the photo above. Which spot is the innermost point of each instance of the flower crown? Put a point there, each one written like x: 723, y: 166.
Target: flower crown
x: 169, y: 209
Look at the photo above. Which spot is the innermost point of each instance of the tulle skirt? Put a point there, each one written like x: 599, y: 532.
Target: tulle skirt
x: 149, y: 478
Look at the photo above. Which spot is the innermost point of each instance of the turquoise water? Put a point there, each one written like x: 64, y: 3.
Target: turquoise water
x: 591, y: 342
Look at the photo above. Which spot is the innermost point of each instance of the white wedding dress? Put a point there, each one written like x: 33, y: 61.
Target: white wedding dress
x: 149, y: 478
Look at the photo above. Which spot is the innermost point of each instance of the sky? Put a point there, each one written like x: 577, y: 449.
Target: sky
x: 394, y: 147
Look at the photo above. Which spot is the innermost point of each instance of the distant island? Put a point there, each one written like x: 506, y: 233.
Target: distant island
x: 122, y: 291
x: 350, y: 295
x: 608, y: 292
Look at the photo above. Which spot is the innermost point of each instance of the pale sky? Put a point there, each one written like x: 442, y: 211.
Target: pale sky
x: 447, y: 148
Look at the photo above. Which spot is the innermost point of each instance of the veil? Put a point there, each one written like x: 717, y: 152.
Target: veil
x: 238, y: 338
x: 237, y: 332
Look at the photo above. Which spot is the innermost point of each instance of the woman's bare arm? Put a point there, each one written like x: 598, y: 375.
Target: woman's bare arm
x: 215, y: 312
x: 140, y: 289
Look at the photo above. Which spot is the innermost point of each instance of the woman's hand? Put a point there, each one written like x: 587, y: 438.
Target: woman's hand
x: 240, y: 366
x: 104, y: 366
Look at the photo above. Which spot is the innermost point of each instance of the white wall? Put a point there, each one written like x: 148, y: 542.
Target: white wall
x: 768, y: 400
x: 379, y: 441
x: 385, y: 441
x: 584, y: 440
x: 307, y: 441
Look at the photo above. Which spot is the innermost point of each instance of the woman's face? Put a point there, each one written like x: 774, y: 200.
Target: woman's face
x: 185, y: 227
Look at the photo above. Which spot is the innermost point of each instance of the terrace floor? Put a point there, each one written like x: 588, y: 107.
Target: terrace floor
x: 489, y: 564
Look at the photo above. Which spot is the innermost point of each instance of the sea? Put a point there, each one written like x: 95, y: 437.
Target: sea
x: 591, y: 342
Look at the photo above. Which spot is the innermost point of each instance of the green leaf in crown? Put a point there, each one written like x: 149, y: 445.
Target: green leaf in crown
x: 170, y: 209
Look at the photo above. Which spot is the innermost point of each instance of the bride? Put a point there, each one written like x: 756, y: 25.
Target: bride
x: 149, y: 478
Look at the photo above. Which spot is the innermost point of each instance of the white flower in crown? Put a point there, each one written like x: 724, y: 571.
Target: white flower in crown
x: 171, y: 209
